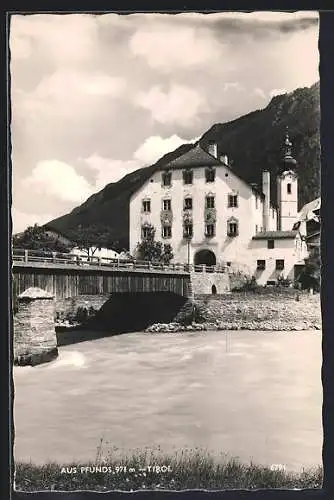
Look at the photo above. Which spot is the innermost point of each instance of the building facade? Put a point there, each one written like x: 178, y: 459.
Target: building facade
x: 211, y: 216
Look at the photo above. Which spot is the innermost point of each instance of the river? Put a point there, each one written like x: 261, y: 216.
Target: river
x: 254, y: 395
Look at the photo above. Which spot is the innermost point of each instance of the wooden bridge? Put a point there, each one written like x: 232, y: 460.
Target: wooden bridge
x: 68, y: 275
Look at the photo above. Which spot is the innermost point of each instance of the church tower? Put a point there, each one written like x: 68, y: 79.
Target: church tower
x: 287, y: 189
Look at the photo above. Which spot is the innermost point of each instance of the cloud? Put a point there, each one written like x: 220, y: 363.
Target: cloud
x: 108, y: 170
x: 21, y: 220
x: 58, y: 179
x: 233, y: 86
x: 66, y: 39
x: 155, y: 147
x: 250, y: 16
x: 68, y: 85
x: 263, y: 24
x: 170, y: 46
x: 259, y: 92
x: 20, y: 48
x: 180, y: 105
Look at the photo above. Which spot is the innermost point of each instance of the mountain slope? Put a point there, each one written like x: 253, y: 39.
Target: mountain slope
x: 253, y: 142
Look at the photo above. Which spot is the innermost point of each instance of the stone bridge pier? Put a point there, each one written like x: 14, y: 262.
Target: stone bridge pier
x: 35, y: 339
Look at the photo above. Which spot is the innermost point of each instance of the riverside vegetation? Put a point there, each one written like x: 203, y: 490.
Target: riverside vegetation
x: 184, y: 469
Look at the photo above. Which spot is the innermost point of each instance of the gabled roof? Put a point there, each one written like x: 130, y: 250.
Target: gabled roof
x: 196, y: 157
x: 275, y: 235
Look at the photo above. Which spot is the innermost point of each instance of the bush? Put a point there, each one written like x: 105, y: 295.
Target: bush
x: 310, y: 276
x: 191, y: 313
x: 91, y: 312
x: 283, y: 282
x: 81, y: 314
x: 249, y: 285
x: 198, y: 315
x: 154, y: 251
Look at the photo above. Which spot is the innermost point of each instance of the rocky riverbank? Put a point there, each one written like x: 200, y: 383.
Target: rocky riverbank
x: 198, y: 327
x: 273, y: 311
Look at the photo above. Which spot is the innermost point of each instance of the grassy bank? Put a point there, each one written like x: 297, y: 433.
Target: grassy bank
x: 187, y: 469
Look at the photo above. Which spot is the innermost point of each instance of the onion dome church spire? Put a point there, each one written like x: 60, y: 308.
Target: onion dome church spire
x: 288, y: 159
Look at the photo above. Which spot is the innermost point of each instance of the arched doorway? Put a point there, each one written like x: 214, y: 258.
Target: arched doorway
x: 205, y: 258
x: 214, y: 290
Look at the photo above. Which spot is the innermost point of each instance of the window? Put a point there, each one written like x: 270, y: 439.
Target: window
x: 188, y: 203
x: 232, y: 228
x: 187, y: 176
x: 209, y: 230
x: 166, y: 178
x: 273, y: 213
x: 210, y: 202
x: 145, y: 231
x: 256, y: 202
x: 256, y: 228
x: 261, y: 265
x: 271, y: 244
x: 167, y: 204
x: 279, y: 264
x: 166, y: 231
x: 232, y: 201
x: 146, y: 205
x: 288, y: 188
x: 210, y: 175
x: 188, y: 231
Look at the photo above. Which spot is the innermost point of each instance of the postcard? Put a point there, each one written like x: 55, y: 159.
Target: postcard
x: 166, y: 250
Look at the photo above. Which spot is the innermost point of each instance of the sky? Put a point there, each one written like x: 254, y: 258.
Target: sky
x: 94, y: 97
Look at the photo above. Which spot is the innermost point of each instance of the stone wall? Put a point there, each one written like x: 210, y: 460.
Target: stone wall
x: 203, y: 283
x: 280, y: 310
x: 34, y: 328
x: 68, y: 308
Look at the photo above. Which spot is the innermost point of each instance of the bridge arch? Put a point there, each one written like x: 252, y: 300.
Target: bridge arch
x: 205, y: 258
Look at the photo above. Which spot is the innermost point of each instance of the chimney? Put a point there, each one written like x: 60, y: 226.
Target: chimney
x: 213, y: 149
x: 224, y: 159
x: 266, y: 192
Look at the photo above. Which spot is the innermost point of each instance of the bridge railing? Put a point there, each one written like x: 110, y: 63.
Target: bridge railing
x: 47, y: 257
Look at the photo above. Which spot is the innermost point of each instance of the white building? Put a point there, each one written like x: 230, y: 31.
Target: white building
x: 211, y: 216
x: 98, y: 253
